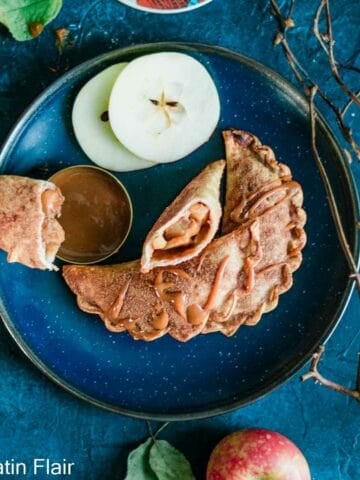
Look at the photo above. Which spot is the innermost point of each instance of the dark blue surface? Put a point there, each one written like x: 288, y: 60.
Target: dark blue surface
x: 37, y: 418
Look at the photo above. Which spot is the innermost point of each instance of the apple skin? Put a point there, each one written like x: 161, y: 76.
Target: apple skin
x: 257, y: 454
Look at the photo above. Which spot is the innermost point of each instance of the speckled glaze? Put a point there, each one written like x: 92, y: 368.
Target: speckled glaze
x: 210, y: 374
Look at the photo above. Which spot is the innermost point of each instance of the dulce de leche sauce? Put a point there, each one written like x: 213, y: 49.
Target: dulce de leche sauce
x: 96, y: 214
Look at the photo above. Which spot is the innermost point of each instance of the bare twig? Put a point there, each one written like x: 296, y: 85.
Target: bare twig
x: 348, y: 156
x: 348, y: 104
x: 316, y: 27
x: 323, y: 39
x: 157, y: 433
x: 151, y: 434
x: 311, y: 89
x: 356, y: 278
x: 318, y: 378
x: 291, y: 8
x: 305, y: 79
x: 332, y: 201
x: 163, y: 426
x: 332, y: 61
x: 347, y: 66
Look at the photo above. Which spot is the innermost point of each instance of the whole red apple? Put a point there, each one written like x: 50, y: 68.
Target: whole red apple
x: 257, y: 454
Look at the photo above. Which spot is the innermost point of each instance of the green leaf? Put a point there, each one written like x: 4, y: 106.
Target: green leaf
x: 26, y: 18
x: 168, y: 463
x: 138, y: 466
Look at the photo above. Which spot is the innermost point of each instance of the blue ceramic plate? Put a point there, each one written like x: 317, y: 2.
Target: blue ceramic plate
x: 211, y: 374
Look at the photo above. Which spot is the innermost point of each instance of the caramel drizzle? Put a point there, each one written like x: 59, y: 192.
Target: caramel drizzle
x: 114, y: 311
x: 249, y: 262
x: 285, y: 271
x: 179, y: 304
x: 129, y: 323
x: 194, y: 314
x: 160, y: 320
x: 161, y: 286
x: 271, y: 267
x: 232, y: 306
x: 274, y: 294
x: 276, y: 290
x: 291, y: 225
x: 250, y: 274
x: 210, y: 303
x: 176, y: 298
x: 295, y: 247
x: 235, y: 214
x: 290, y: 189
x: 201, y: 260
x: 176, y: 271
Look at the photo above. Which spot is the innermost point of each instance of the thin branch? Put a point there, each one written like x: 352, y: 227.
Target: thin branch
x: 323, y: 39
x: 151, y: 434
x: 347, y: 66
x: 291, y: 8
x: 157, y: 433
x: 316, y: 27
x: 306, y: 81
x: 296, y: 67
x: 356, y: 278
x: 277, y: 12
x: 332, y: 201
x: 348, y: 104
x: 311, y: 89
x: 332, y: 61
x: 318, y: 378
x: 304, y: 78
x: 163, y: 426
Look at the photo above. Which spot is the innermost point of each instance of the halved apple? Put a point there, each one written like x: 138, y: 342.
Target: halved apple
x: 92, y: 127
x: 164, y: 106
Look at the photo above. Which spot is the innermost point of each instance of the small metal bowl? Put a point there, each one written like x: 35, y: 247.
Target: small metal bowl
x: 91, y: 258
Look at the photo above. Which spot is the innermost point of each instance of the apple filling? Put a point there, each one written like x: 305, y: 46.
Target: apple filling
x: 186, y: 232
x: 52, y: 231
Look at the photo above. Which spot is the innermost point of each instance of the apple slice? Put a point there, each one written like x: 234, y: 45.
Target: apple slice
x: 92, y: 127
x: 164, y: 106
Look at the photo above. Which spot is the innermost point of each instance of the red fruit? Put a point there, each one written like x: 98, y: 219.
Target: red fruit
x: 257, y: 454
x: 163, y: 4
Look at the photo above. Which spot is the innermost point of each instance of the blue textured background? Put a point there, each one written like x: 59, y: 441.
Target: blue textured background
x: 38, y: 419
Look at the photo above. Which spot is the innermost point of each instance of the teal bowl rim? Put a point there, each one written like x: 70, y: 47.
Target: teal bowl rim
x: 301, y: 102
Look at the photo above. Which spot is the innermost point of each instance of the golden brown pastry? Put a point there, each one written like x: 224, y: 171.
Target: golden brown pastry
x: 176, y: 300
x: 258, y: 187
x: 251, y: 170
x: 29, y: 231
x: 233, y: 281
x: 188, y: 224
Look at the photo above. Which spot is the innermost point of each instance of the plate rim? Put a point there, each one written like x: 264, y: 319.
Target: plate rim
x: 229, y: 406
